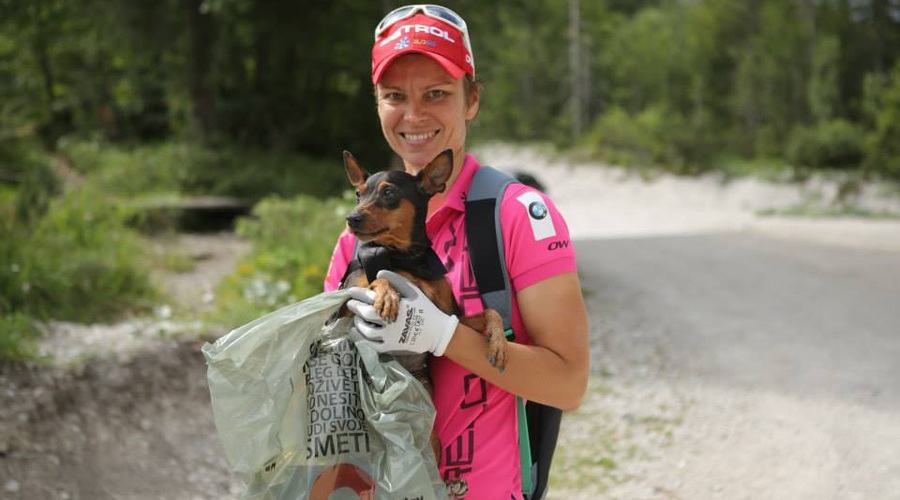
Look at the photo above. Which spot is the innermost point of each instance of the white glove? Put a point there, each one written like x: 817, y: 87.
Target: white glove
x: 420, y: 326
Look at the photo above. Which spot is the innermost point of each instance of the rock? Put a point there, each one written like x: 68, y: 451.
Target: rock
x: 11, y: 486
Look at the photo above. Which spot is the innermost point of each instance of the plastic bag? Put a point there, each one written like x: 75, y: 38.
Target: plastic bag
x: 306, y: 410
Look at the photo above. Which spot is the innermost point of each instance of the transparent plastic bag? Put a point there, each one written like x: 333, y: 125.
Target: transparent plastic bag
x: 309, y: 410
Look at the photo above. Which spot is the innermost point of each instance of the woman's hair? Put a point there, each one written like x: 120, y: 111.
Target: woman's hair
x: 471, y: 86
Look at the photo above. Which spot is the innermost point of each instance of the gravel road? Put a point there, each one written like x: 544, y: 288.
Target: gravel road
x: 729, y: 400
x: 734, y: 356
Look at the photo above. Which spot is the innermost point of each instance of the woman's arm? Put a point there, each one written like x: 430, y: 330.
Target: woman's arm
x: 554, y: 369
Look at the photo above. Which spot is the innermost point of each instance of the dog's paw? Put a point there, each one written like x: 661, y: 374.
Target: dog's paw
x: 387, y: 300
x: 497, y: 353
x: 496, y: 339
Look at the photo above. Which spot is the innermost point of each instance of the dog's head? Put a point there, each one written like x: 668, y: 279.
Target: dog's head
x: 391, y: 205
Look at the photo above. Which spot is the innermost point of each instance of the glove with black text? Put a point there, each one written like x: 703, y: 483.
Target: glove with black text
x: 420, y: 326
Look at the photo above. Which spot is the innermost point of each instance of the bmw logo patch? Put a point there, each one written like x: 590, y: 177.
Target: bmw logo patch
x: 537, y: 210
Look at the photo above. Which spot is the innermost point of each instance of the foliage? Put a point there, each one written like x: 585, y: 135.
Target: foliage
x: 733, y: 77
x: 831, y: 144
x: 180, y: 168
x: 883, y: 142
x: 253, y: 174
x: 76, y: 262
x: 31, y: 170
x: 17, y: 332
x: 647, y: 139
x: 292, y: 244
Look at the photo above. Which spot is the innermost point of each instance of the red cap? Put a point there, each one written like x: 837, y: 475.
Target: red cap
x: 425, y: 35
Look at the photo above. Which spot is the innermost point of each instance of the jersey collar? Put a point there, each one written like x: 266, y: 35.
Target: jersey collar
x: 456, y: 196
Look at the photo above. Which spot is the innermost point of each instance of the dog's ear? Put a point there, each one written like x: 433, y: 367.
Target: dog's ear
x: 355, y: 173
x: 433, y: 178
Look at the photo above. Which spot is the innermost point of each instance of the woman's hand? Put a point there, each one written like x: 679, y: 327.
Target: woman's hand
x: 420, y: 326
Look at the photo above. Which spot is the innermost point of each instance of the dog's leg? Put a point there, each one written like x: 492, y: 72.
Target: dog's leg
x: 489, y: 323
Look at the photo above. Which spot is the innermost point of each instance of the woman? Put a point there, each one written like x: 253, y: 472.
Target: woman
x: 423, y: 70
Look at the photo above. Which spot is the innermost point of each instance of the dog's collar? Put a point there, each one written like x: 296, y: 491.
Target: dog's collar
x: 374, y: 258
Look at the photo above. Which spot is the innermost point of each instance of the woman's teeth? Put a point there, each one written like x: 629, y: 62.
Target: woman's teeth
x: 419, y: 137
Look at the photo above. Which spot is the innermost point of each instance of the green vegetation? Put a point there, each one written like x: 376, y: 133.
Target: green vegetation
x: 73, y: 260
x: 292, y: 244
x: 181, y: 169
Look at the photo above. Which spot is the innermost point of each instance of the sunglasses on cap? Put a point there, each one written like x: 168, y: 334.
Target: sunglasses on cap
x: 433, y: 11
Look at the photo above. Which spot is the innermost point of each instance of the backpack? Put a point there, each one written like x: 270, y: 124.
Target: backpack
x: 538, y: 423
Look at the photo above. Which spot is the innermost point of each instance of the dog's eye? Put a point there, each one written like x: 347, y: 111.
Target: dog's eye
x: 357, y: 195
x: 388, y: 191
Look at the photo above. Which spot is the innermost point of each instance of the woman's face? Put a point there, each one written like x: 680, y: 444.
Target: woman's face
x: 423, y: 110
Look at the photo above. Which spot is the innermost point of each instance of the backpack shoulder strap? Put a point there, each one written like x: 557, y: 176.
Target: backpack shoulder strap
x: 538, y: 424
x: 486, y: 241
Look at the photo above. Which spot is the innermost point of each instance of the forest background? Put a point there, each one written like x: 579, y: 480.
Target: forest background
x: 108, y: 106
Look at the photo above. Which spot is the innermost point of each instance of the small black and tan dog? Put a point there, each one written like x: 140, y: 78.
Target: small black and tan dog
x: 389, y: 223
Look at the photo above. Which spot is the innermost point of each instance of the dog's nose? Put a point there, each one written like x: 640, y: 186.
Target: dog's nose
x: 354, y: 220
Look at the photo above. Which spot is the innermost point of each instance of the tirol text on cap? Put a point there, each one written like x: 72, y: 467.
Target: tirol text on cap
x: 425, y: 35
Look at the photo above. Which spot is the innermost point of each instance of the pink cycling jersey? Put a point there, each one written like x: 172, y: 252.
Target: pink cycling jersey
x: 476, y: 421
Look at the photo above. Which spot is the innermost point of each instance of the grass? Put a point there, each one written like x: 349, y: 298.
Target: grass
x: 76, y: 262
x: 815, y: 211
x: 601, y: 442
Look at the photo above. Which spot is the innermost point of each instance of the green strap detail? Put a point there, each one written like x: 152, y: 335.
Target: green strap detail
x: 524, y: 448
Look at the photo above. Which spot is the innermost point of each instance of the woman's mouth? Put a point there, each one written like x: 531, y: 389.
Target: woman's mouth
x: 418, y: 138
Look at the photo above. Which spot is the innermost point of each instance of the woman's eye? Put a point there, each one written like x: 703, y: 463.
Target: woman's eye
x: 436, y: 94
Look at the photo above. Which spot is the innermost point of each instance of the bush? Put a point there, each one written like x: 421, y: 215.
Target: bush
x: 653, y: 137
x: 292, y: 244
x: 180, y: 168
x: 883, y: 143
x: 256, y: 174
x: 830, y: 144
x: 77, y: 263
x: 17, y: 332
x: 28, y: 172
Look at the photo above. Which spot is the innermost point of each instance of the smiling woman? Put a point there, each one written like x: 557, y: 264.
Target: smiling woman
x: 424, y: 111
x: 423, y: 70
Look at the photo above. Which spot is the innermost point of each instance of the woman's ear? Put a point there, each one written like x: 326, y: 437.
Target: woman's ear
x: 474, y: 102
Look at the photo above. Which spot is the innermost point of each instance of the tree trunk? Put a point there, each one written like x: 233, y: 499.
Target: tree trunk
x: 202, y: 32
x: 577, y: 82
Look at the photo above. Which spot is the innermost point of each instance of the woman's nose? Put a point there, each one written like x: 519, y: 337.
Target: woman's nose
x: 415, y: 111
